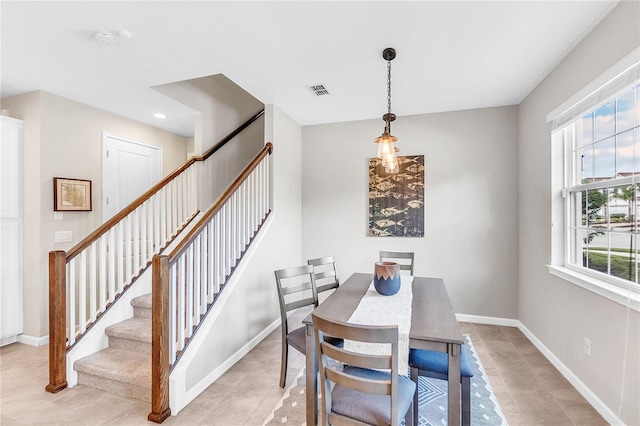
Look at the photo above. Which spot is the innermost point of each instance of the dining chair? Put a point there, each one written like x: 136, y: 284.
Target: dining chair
x: 325, y: 273
x: 367, y: 388
x: 296, y: 288
x: 403, y: 258
x: 436, y: 365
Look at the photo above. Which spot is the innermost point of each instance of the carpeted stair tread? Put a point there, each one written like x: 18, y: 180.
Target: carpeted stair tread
x: 133, y: 329
x: 118, y: 365
x: 142, y: 306
x: 143, y: 301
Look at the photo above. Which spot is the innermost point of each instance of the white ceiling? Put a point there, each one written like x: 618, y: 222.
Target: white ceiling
x: 451, y: 55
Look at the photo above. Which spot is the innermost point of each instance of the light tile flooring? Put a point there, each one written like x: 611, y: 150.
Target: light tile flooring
x: 528, y: 388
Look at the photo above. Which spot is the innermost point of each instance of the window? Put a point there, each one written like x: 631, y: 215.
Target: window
x: 596, y: 185
x: 602, y: 194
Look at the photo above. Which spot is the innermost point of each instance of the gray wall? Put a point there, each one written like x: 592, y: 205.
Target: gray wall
x: 253, y: 304
x: 557, y: 312
x: 64, y: 138
x: 471, y: 202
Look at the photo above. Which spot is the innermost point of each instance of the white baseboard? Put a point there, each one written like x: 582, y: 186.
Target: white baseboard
x: 506, y: 322
x: 198, y: 388
x: 595, y: 402
x: 32, y: 340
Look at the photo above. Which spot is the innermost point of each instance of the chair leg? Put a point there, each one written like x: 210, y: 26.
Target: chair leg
x: 408, y: 418
x: 414, y: 408
x: 466, y: 401
x: 283, y: 362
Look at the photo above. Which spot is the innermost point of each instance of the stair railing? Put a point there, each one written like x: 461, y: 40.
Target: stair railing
x: 85, y: 281
x: 187, y: 282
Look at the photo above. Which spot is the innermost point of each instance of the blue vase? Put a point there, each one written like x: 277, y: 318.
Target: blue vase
x: 386, y: 278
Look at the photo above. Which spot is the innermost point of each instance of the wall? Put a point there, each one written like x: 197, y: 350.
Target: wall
x: 557, y: 312
x: 252, y: 303
x: 471, y: 182
x: 64, y: 138
x: 222, y: 106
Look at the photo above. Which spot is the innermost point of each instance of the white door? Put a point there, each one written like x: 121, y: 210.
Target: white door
x: 10, y: 230
x: 129, y: 169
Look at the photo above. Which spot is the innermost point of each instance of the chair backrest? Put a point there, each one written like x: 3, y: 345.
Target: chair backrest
x: 325, y: 273
x: 403, y: 258
x: 330, y: 371
x: 296, y: 288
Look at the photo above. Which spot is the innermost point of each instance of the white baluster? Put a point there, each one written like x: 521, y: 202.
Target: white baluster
x: 197, y: 252
x: 172, y: 314
x: 180, y: 301
x: 82, y: 293
x: 93, y: 275
x: 102, y: 265
x: 135, y: 241
x: 72, y: 306
x: 112, y: 263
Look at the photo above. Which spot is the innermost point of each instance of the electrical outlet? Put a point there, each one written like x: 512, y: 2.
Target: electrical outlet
x: 587, y: 347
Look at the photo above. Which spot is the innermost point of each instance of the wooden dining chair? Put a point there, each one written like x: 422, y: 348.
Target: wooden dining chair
x: 325, y: 273
x: 367, y: 388
x: 436, y: 365
x: 403, y: 258
x: 296, y: 288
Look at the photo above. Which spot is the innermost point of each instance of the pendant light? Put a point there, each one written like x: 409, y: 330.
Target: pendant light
x: 386, y: 149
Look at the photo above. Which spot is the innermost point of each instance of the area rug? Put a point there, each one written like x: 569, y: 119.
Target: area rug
x: 432, y: 400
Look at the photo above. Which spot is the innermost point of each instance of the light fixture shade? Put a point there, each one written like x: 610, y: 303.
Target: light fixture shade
x: 392, y: 164
x: 385, y: 144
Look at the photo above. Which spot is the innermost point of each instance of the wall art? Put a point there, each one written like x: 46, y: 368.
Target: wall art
x: 396, y: 201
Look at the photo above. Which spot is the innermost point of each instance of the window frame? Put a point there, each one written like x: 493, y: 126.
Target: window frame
x: 564, y: 122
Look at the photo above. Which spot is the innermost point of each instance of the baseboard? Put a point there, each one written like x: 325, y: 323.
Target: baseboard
x: 505, y: 322
x: 32, y: 340
x: 595, y: 402
x: 206, y: 381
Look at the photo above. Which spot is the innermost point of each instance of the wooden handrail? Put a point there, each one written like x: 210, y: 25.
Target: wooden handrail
x: 208, y: 153
x: 161, y: 362
x: 105, y: 227
x: 59, y: 261
x: 188, y: 239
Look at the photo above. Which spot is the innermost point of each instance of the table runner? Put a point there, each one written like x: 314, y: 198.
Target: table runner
x: 376, y: 309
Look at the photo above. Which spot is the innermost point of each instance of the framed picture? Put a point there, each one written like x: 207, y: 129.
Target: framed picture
x: 396, y: 201
x: 71, y: 195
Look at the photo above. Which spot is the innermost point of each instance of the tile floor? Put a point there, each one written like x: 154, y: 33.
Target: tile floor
x: 529, y: 389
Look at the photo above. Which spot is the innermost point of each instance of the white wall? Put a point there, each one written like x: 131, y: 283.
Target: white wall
x: 222, y: 106
x: 471, y: 182
x: 558, y: 313
x: 253, y: 304
x: 64, y: 138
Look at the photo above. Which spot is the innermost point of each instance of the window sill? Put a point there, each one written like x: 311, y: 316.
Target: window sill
x: 629, y: 297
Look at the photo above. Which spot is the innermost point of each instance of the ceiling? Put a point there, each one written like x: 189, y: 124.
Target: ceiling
x: 451, y: 55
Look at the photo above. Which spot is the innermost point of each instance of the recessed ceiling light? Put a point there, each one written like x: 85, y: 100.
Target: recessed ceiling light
x: 159, y: 115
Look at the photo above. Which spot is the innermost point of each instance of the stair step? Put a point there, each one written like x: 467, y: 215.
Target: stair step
x: 142, y: 306
x: 133, y: 334
x: 118, y: 371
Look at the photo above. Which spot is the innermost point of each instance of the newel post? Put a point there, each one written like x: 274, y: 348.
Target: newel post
x: 160, y: 409
x: 57, y: 321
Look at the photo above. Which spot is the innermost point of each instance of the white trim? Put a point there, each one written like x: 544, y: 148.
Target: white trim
x: 33, y: 340
x: 179, y: 395
x: 477, y: 319
x: 629, y: 297
x: 600, y: 89
x: 592, y: 398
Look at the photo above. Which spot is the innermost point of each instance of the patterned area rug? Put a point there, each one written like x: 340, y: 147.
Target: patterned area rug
x: 432, y: 399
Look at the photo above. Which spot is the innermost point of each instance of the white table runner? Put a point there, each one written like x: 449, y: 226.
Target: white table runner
x: 376, y: 309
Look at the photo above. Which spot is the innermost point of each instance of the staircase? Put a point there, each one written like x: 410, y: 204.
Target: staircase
x: 123, y: 368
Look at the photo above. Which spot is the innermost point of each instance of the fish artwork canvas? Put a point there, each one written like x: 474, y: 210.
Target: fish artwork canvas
x: 396, y: 201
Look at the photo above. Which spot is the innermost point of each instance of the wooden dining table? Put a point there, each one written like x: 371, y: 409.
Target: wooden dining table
x: 433, y: 327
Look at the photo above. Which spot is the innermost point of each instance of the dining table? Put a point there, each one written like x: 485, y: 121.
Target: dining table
x: 433, y: 327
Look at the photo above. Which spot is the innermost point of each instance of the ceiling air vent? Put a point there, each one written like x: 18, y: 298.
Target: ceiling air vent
x: 319, y: 89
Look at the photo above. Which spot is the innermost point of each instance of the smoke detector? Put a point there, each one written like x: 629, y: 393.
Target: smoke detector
x: 105, y: 37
